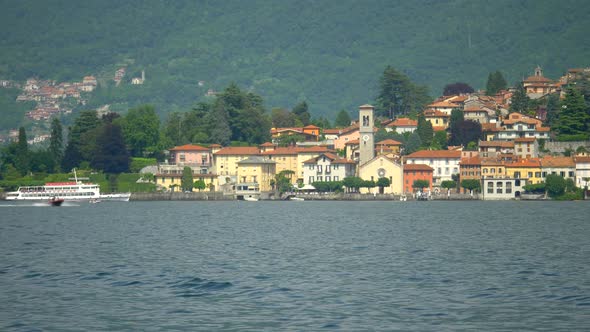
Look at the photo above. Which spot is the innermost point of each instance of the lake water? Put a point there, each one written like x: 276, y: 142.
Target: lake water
x: 296, y: 266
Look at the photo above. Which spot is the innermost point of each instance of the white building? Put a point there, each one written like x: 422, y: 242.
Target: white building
x: 582, y: 171
x: 327, y: 167
x: 444, y: 162
x: 502, y: 188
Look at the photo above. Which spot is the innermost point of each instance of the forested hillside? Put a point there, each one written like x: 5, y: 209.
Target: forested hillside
x: 328, y: 53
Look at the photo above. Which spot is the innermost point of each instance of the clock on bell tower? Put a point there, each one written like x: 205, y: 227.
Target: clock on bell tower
x: 366, y: 142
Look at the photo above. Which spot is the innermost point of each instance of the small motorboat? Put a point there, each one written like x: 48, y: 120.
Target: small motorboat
x: 55, y: 201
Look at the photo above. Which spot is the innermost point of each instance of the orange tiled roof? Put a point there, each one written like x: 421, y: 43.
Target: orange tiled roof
x: 353, y: 142
x: 435, y: 154
x: 388, y: 142
x: 290, y: 150
x: 470, y: 161
x: 403, y: 122
x: 267, y: 144
x: 524, y: 139
x: 341, y: 131
x: 417, y: 167
x: 489, y: 127
x: 439, y: 128
x: 313, y: 149
x: 334, y: 158
x: 435, y: 113
x: 500, y: 144
x: 582, y: 159
x: 189, y: 147
x: 531, y: 162
x: 537, y: 79
x: 238, y: 150
x: 550, y: 161
x: 443, y: 104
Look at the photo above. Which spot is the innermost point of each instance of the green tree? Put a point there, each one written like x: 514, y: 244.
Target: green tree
x: 520, y: 101
x: 573, y: 120
x: 186, y: 182
x: 425, y: 131
x: 457, y: 88
x: 448, y: 184
x: 283, y: 181
x: 464, y: 132
x: 440, y: 140
x: 301, y: 110
x: 173, y: 129
x: 457, y: 116
x: 217, y: 119
x: 382, y: 183
x: 413, y: 143
x: 56, y: 144
x: 282, y: 118
x: 352, y: 183
x: 199, y: 185
x: 420, y: 184
x: 342, y: 119
x: 22, y: 157
x: 552, y: 108
x: 495, y: 83
x: 398, y: 95
x: 471, y: 184
x: 141, y: 128
x: 555, y: 185
x: 111, y: 155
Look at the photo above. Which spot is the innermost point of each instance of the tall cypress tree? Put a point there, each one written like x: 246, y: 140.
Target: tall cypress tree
x: 111, y: 154
x: 56, y: 148
x: 23, y: 157
x: 425, y: 131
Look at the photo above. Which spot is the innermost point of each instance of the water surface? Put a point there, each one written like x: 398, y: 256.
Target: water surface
x: 303, y: 266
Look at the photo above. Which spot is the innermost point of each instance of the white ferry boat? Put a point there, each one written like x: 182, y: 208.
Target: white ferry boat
x: 70, y: 191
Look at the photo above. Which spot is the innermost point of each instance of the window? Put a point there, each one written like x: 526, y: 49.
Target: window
x: 485, y: 171
x: 562, y: 174
x: 319, y: 178
x: 530, y: 174
x: 517, y: 175
x: 446, y: 161
x: 499, y: 191
x: 499, y: 170
x: 544, y: 174
x: 311, y: 166
x: 446, y: 171
x: 439, y: 171
x: 319, y: 168
x: 537, y: 174
x: 336, y: 178
x: 310, y: 180
x: 571, y: 174
x: 499, y: 184
x: 328, y: 179
x: 328, y: 168
x: 493, y: 170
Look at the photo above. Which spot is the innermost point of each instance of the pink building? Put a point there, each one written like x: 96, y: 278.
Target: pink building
x: 190, y: 155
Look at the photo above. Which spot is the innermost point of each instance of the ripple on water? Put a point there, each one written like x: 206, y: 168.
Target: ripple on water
x: 195, y: 286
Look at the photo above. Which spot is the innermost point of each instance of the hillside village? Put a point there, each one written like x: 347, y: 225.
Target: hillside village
x: 512, y: 149
x: 515, y: 150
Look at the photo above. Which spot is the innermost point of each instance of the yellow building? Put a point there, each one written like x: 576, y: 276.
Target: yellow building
x: 226, y: 159
x: 492, y: 168
x: 437, y: 118
x: 529, y: 169
x: 286, y: 160
x: 172, y: 181
x: 257, y: 169
x: 383, y: 166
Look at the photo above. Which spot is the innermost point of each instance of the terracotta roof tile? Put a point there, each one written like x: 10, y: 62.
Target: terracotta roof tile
x: 388, y: 142
x: 435, y: 154
x: 238, y: 150
x: 531, y: 162
x: 189, y: 147
x: 524, y: 139
x: 550, y: 161
x: 403, y: 122
x: 499, y: 144
x: 582, y: 159
x: 435, y: 113
x: 417, y: 167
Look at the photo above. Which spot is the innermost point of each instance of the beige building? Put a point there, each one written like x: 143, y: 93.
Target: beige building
x: 257, y: 169
x: 383, y: 166
x: 225, y: 161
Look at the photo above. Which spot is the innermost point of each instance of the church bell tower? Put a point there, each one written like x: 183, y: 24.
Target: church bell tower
x: 366, y: 139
